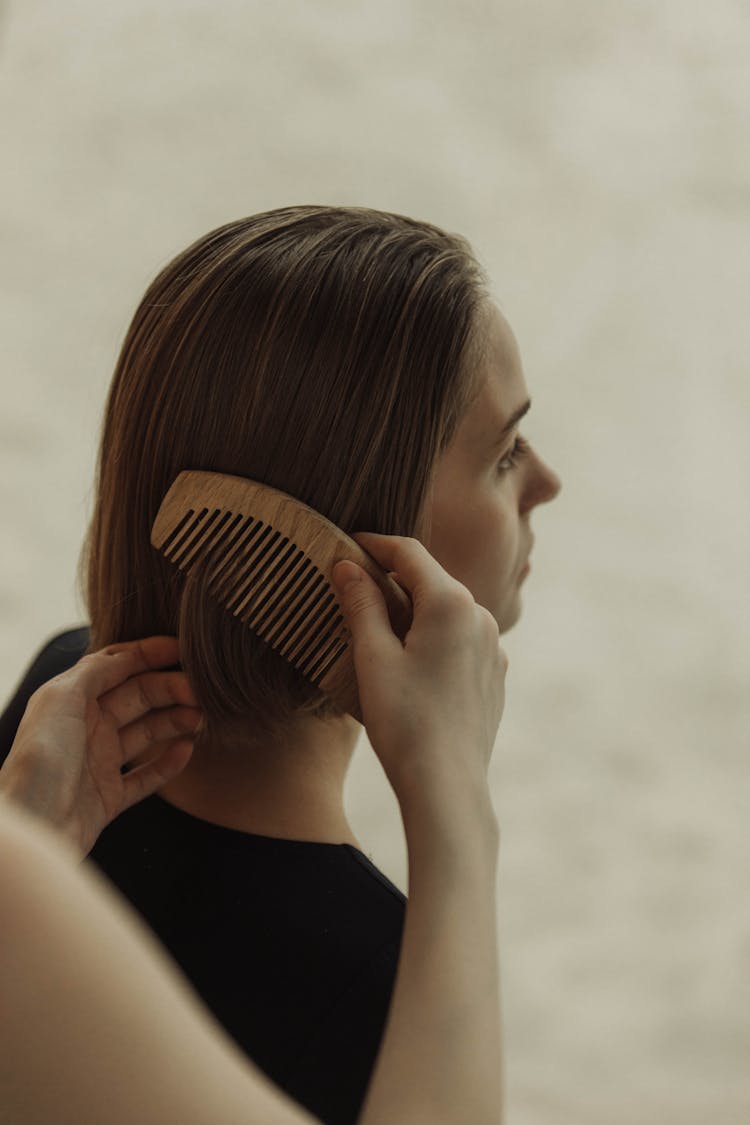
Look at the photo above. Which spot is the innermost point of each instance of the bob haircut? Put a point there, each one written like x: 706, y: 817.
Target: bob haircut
x: 329, y: 352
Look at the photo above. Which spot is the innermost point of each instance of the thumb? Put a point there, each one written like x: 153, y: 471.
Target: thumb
x: 150, y: 776
x: 363, y: 606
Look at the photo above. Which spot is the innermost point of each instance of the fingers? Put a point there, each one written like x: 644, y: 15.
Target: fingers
x: 433, y: 592
x: 146, y: 692
x: 123, y: 679
x: 158, y: 726
x: 102, y: 671
x: 364, y: 607
x: 146, y: 779
x: 415, y: 566
x: 145, y: 705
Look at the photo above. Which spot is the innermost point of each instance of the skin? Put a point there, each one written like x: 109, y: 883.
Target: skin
x: 117, y: 707
x: 481, y: 505
x: 479, y: 508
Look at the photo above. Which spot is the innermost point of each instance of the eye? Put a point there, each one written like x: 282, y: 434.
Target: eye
x: 519, y: 450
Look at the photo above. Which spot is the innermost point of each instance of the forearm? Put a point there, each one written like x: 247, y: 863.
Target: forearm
x: 440, y: 1060
x: 97, y: 1023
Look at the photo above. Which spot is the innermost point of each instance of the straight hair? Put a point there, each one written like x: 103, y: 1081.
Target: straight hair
x: 329, y: 352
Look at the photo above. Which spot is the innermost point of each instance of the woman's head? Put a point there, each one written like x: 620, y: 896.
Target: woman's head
x: 329, y: 352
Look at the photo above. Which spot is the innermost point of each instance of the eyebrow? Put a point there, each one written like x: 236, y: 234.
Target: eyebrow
x: 514, y: 419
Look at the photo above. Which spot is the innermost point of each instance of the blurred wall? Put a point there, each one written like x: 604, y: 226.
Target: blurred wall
x: 596, y: 154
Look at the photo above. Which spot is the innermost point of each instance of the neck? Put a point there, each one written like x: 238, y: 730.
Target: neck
x: 291, y: 789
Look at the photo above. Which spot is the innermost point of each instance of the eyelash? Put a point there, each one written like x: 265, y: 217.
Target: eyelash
x: 519, y: 450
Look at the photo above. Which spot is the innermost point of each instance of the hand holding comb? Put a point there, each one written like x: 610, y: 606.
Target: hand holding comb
x: 269, y: 560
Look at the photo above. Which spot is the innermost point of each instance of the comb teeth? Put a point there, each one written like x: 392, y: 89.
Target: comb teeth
x: 267, y: 581
x: 195, y: 537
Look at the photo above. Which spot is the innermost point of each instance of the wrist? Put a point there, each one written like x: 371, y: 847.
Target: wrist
x: 30, y: 780
x: 17, y: 781
x: 449, y: 808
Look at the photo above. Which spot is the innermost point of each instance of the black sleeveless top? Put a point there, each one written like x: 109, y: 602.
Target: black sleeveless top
x: 292, y: 945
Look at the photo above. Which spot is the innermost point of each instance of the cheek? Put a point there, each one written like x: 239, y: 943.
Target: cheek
x: 476, y: 544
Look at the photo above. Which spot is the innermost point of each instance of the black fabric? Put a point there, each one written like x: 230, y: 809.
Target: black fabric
x: 292, y: 945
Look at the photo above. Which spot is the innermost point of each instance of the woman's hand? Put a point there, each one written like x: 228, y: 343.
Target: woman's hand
x: 432, y: 705
x: 80, y: 728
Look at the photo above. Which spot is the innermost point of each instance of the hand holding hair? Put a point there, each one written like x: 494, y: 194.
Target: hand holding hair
x: 80, y: 728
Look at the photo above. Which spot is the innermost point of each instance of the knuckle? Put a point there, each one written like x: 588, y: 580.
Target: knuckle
x: 456, y: 599
x: 407, y: 545
x: 183, y: 720
x: 488, y: 623
x: 149, y: 729
x: 402, y: 546
x: 53, y: 691
x: 143, y: 697
x: 359, y: 600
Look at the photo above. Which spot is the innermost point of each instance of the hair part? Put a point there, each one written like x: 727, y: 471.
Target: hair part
x: 329, y: 352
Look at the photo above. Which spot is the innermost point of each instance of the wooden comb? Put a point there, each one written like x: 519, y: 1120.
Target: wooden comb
x: 269, y: 559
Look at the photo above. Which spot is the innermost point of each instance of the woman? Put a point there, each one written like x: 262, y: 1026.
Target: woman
x: 355, y: 360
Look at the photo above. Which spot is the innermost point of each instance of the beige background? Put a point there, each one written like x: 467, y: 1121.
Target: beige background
x: 596, y: 152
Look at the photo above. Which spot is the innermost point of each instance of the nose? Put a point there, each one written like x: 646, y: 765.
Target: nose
x: 544, y: 485
x: 554, y: 484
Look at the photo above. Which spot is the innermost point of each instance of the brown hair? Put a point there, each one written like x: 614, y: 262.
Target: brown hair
x: 326, y: 351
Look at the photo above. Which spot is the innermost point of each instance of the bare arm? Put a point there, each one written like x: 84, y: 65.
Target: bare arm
x: 432, y: 714
x: 441, y: 1061
x: 98, y: 1024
